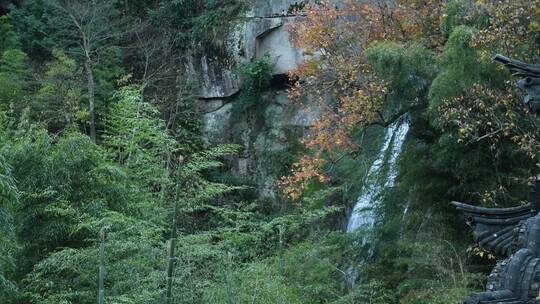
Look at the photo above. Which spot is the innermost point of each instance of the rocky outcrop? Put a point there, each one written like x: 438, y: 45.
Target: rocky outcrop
x: 217, y: 125
x: 272, y: 8
x: 263, y: 30
x: 215, y: 78
x: 276, y: 43
x: 267, y: 141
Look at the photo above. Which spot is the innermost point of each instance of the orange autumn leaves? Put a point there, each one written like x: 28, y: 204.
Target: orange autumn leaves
x: 337, y: 79
x: 304, y: 172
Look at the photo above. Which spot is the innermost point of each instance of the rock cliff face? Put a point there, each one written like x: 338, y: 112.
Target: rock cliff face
x: 263, y: 30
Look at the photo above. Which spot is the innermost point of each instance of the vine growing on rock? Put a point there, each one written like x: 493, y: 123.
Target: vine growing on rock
x: 256, y: 78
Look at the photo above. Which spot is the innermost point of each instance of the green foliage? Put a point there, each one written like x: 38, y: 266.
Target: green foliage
x: 13, y: 79
x: 128, y: 207
x: 371, y: 292
x: 223, y: 259
x: 78, y: 27
x: 257, y: 283
x: 256, y: 76
x: 468, y: 169
x: 313, y: 269
x: 109, y: 69
x: 138, y: 139
x: 135, y: 267
x: 455, y: 13
x: 14, y: 73
x: 305, y: 273
x: 187, y: 124
x: 408, y: 69
x: 66, y: 187
x: 30, y: 21
x: 59, y: 226
x: 197, y: 24
x: 69, y: 190
x: 8, y: 199
x: 8, y: 37
x: 460, y: 67
x: 49, y: 209
x: 59, y: 98
x: 438, y: 270
x: 58, y: 188
x: 460, y: 12
x: 201, y: 195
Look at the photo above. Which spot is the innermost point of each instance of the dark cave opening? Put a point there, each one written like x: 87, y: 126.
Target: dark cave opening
x: 282, y: 82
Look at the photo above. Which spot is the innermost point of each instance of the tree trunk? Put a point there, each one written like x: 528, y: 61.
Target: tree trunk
x: 91, y: 97
x: 101, y: 291
x: 170, y: 250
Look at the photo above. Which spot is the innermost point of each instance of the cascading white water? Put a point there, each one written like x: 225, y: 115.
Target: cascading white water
x: 362, y: 214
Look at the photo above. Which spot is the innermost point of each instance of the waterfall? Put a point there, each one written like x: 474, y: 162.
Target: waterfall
x: 363, y: 214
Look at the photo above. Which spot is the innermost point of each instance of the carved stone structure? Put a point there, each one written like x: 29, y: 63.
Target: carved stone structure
x: 513, y: 233
x: 529, y: 82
